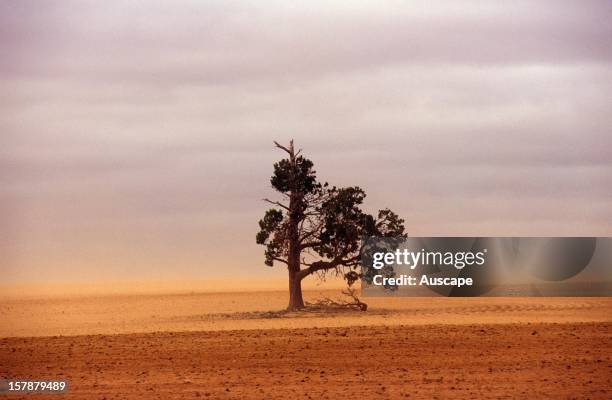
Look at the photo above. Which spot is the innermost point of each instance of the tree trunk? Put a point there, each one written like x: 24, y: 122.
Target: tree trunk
x: 293, y: 260
x: 296, y: 302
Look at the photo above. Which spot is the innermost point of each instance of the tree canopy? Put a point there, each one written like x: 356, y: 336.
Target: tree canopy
x: 316, y: 228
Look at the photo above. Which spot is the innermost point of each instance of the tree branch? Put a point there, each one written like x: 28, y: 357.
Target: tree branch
x: 327, y: 265
x: 310, y: 244
x: 288, y: 150
x: 277, y: 203
x: 317, y: 266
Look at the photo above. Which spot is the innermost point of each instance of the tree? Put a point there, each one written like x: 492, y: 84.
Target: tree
x: 317, y: 228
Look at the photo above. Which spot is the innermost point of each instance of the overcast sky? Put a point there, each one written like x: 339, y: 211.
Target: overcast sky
x: 136, y: 138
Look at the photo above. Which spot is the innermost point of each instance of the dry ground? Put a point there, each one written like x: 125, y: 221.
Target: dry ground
x: 78, y: 315
x: 439, y: 361
x: 230, y: 345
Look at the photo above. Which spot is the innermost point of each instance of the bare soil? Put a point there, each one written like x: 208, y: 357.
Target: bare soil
x: 376, y: 362
x: 243, y: 346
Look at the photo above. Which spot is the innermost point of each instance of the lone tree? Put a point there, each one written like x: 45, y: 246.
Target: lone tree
x: 317, y: 228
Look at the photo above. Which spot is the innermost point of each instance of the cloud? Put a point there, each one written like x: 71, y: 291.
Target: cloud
x: 146, y: 130
x: 233, y: 43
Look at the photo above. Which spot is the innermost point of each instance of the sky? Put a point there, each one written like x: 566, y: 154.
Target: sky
x: 136, y: 138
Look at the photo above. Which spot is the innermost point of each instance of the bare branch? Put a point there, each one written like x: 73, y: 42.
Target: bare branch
x: 310, y: 244
x: 313, y: 229
x: 277, y: 203
x: 288, y: 150
x: 317, y: 266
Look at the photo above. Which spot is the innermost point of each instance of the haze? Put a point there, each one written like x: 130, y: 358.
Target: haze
x: 136, y: 138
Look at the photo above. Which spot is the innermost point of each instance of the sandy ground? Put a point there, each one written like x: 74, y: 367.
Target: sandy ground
x: 222, y: 345
x: 78, y: 315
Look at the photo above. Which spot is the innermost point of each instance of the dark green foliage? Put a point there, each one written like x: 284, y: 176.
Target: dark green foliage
x: 269, y: 224
x: 301, y: 177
